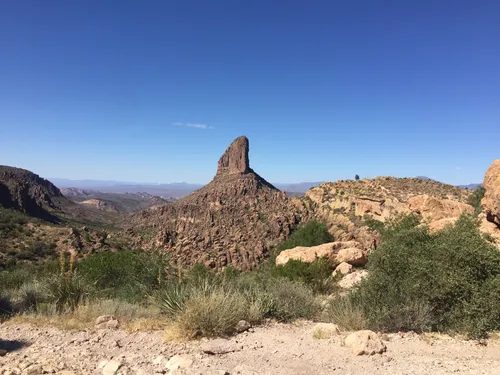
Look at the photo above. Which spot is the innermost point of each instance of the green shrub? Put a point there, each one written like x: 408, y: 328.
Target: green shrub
x: 66, y: 291
x: 475, y: 199
x: 311, y: 233
x: 290, y: 300
x: 124, y: 274
x: 212, y: 314
x: 317, y: 274
x: 420, y: 281
x: 346, y: 312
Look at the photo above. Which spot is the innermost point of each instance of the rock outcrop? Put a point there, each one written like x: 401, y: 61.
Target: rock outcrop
x: 232, y: 221
x: 435, y: 209
x: 345, y: 204
x: 27, y: 192
x: 235, y: 160
x: 491, y: 201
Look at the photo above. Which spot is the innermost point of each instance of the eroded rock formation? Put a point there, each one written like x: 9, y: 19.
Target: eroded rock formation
x: 232, y: 221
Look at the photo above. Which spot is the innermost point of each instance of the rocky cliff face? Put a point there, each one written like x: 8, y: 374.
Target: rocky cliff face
x: 232, y: 221
x: 27, y: 192
x: 491, y: 201
x: 344, y: 204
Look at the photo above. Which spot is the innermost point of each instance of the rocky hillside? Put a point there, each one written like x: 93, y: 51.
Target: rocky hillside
x: 233, y: 220
x: 29, y: 193
x: 345, y: 204
x: 115, y: 202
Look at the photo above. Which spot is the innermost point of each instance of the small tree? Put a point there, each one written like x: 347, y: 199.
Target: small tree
x: 356, y: 177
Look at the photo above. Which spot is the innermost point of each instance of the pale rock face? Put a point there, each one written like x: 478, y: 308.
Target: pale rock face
x: 342, y: 269
x: 490, y: 229
x: 433, y: 208
x: 353, y: 256
x: 438, y: 225
x: 365, y: 342
x: 352, y: 279
x: 491, y: 201
x: 329, y: 250
x: 306, y: 254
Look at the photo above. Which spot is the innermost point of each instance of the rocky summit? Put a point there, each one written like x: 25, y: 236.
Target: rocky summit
x: 232, y: 221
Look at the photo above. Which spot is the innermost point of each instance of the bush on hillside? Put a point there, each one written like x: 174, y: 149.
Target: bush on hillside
x: 311, y: 233
x: 317, y: 275
x: 475, y: 199
x: 127, y: 275
x: 420, y: 281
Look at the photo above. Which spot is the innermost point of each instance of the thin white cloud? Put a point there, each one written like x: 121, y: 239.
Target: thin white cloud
x: 458, y: 168
x: 190, y: 125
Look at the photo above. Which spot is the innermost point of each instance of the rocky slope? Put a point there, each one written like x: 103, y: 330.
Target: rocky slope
x: 115, y: 202
x: 29, y: 193
x: 344, y: 204
x: 233, y: 220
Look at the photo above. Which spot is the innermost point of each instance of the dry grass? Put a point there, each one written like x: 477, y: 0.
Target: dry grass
x: 345, y: 313
x: 321, y: 334
x: 131, y: 317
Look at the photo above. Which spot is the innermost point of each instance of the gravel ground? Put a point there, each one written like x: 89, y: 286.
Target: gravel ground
x: 272, y: 349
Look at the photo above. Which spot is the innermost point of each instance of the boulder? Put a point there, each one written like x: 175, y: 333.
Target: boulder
x: 365, y: 342
x: 342, y: 269
x: 306, y: 254
x: 352, y: 279
x: 106, y: 322
x: 325, y: 330
x: 242, y: 326
x: 353, y: 256
x: 439, y: 225
x: 491, y: 200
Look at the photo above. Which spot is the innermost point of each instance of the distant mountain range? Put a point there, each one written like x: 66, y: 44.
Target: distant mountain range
x: 181, y: 189
x: 174, y: 189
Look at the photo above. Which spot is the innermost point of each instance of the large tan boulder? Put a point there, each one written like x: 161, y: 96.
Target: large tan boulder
x: 353, y: 256
x: 433, y: 208
x: 365, y: 342
x: 439, y: 225
x: 307, y: 254
x: 491, y: 201
x: 349, y: 252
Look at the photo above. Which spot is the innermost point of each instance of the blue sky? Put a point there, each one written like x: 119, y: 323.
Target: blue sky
x: 96, y: 89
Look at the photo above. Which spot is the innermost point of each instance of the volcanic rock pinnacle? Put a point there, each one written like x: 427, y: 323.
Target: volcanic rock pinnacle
x: 235, y: 160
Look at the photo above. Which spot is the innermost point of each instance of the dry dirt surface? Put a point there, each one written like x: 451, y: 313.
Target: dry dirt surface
x: 272, y: 349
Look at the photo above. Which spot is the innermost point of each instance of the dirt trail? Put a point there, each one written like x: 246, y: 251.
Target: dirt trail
x: 273, y: 349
